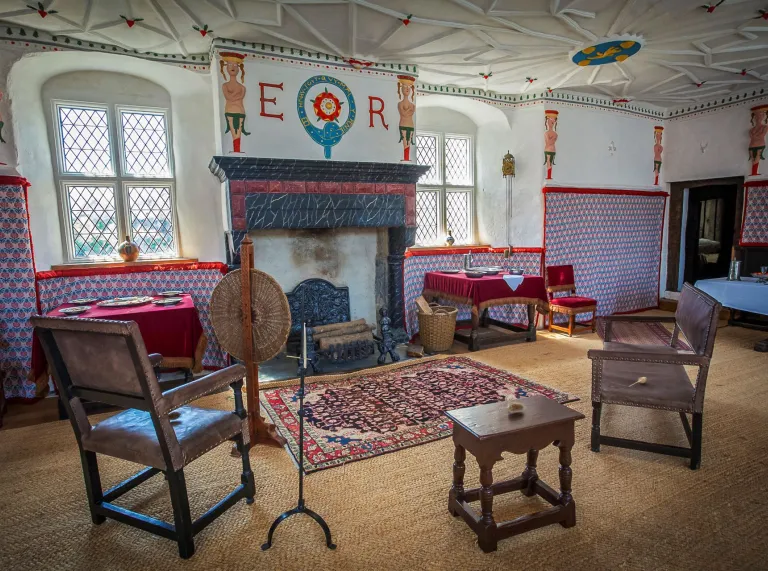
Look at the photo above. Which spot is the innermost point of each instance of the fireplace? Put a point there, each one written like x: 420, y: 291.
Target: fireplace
x: 319, y: 204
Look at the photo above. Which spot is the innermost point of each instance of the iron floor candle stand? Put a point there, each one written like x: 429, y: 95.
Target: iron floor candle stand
x: 301, y: 507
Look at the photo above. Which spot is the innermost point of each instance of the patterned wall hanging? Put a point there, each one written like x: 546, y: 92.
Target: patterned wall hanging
x: 17, y: 290
x: 757, y: 134
x: 613, y: 240
x: 754, y: 227
x: 328, y: 107
x: 418, y: 263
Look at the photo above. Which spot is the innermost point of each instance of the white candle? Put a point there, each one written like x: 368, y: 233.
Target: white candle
x: 304, y: 345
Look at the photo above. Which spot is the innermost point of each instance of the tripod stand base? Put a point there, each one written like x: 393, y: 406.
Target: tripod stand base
x: 300, y: 510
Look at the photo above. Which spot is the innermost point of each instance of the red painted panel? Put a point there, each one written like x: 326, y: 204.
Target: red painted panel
x: 237, y: 203
x: 258, y: 186
x: 237, y: 187
x: 410, y: 190
x: 239, y: 224
x: 294, y: 186
x: 275, y: 186
x: 366, y: 188
x: 312, y: 187
x: 381, y: 188
x: 330, y: 187
x: 395, y: 188
x: 348, y: 188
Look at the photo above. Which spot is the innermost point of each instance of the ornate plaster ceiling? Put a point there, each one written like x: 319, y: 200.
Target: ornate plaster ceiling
x: 689, y: 50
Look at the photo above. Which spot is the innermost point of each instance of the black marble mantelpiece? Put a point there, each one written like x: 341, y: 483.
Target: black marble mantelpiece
x: 256, y: 168
x: 304, y: 211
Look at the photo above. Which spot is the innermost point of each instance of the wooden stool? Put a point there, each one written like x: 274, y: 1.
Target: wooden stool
x: 488, y: 430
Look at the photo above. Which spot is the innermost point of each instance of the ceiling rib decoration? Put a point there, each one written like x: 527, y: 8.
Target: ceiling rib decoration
x: 667, y: 53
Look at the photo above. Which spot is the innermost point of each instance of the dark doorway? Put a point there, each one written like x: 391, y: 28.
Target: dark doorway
x: 709, y: 231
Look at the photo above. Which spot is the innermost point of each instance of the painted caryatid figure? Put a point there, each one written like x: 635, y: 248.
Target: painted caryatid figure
x: 231, y: 64
x: 406, y: 107
x: 550, y: 140
x: 757, y: 136
x: 657, y: 150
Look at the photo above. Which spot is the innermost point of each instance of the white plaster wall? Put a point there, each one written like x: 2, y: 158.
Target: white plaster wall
x: 344, y: 257
x: 583, y: 158
x: 286, y: 138
x: 198, y: 192
x: 493, y: 137
x: 527, y: 146
x: 725, y: 136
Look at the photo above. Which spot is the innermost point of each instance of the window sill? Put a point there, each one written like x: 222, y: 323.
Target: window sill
x: 138, y: 263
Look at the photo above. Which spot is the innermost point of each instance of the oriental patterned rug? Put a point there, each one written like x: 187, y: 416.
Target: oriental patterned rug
x: 382, y: 410
x: 653, y: 333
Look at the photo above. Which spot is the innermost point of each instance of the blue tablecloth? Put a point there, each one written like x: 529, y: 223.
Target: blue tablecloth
x: 744, y: 295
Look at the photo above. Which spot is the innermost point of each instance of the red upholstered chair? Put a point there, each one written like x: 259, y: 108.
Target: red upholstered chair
x: 560, y: 279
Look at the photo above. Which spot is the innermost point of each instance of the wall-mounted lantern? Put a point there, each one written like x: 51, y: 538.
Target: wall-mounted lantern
x: 508, y: 165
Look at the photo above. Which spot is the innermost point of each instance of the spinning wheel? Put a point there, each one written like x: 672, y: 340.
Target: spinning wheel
x: 251, y: 320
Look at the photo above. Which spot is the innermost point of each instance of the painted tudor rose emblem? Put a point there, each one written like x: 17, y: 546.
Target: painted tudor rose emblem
x: 327, y: 106
x: 332, y: 104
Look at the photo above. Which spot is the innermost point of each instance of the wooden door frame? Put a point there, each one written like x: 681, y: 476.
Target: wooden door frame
x: 675, y: 224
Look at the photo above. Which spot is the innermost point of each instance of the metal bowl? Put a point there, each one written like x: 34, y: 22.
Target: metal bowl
x: 471, y: 274
x: 516, y: 271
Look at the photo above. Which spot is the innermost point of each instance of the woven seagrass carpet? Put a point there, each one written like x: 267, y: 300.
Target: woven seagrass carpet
x: 653, y: 333
x: 378, y: 411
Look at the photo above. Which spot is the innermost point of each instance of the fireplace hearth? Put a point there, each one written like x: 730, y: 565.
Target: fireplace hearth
x: 286, y: 194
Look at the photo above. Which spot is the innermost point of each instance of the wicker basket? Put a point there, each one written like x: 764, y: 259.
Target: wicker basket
x: 436, y: 330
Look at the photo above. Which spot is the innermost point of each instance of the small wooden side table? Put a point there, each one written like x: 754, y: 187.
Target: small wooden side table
x: 488, y: 430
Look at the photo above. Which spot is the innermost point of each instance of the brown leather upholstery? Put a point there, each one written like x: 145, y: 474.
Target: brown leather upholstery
x: 131, y: 435
x: 668, y: 386
x: 110, y: 361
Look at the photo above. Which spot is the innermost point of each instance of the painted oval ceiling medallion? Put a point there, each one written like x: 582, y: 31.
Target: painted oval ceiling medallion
x: 607, y: 51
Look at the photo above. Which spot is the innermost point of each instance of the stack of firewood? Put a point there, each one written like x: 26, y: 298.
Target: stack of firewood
x: 345, y: 333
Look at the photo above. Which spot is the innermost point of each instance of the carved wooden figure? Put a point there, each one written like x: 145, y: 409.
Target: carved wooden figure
x: 386, y: 343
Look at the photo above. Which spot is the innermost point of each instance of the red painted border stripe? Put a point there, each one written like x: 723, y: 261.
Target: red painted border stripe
x: 574, y: 190
x: 131, y: 270
x: 751, y: 183
x: 472, y: 249
x: 14, y: 181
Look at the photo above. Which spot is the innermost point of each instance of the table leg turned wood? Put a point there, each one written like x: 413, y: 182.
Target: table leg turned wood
x: 486, y: 539
x: 531, y: 323
x: 565, y: 498
x: 457, y: 489
x: 474, y: 345
x: 530, y: 475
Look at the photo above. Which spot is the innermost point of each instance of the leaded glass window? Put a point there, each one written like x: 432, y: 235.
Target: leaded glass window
x: 445, y: 193
x: 115, y: 172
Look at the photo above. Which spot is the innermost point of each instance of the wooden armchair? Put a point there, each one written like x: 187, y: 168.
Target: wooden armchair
x: 561, y: 279
x: 617, y: 367
x: 107, y: 362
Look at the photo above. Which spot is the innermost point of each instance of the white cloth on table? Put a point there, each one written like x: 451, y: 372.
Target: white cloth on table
x: 744, y: 295
x: 513, y: 281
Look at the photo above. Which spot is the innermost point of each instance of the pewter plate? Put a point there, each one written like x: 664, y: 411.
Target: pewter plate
x: 125, y: 301
x: 171, y: 293
x: 168, y: 301
x: 75, y: 310
x: 83, y: 300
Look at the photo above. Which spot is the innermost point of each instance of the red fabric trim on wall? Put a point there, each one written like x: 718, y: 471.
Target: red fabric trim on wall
x: 548, y: 189
x: 751, y: 183
x: 132, y: 270
x: 14, y: 181
x: 468, y: 249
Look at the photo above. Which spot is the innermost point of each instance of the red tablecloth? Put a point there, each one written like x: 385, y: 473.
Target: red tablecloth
x: 174, y: 331
x: 487, y: 291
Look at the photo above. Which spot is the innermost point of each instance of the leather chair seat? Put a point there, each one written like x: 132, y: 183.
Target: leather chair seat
x: 668, y: 387
x: 573, y: 301
x: 131, y: 435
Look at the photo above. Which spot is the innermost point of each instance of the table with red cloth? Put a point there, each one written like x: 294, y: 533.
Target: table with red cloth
x: 174, y: 331
x: 488, y: 291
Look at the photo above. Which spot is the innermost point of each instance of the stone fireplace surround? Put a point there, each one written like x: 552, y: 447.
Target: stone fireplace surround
x: 293, y: 194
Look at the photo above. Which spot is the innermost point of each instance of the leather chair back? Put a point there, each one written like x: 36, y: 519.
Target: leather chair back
x: 696, y: 316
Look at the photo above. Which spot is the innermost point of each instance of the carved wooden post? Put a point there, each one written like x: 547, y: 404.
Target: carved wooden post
x: 457, y: 489
x: 530, y: 473
x: 260, y: 431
